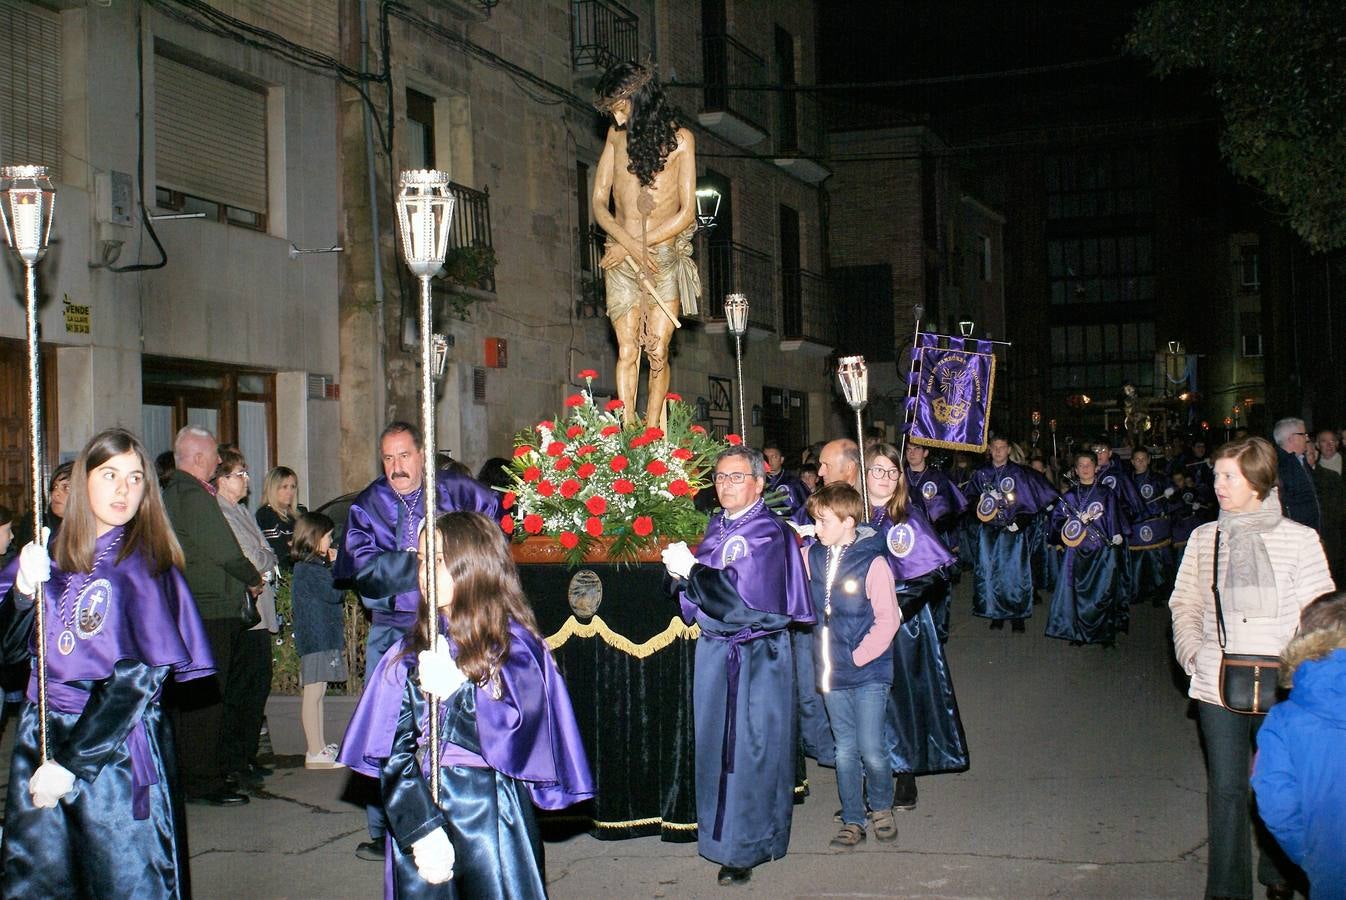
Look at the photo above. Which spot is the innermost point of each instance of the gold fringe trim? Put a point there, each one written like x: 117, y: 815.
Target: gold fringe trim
x: 1156, y: 546
x: 677, y: 630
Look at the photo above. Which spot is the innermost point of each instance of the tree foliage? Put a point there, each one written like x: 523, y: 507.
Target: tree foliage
x: 1278, y: 70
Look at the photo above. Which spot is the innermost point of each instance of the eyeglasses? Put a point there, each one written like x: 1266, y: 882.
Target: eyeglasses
x: 241, y: 473
x: 880, y: 472
x: 732, y: 477
x: 1300, y: 433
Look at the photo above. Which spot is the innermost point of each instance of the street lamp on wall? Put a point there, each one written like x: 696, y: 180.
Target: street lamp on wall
x: 965, y: 327
x: 707, y: 208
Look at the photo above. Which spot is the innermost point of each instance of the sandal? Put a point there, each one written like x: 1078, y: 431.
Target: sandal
x: 885, y: 828
x: 848, y: 837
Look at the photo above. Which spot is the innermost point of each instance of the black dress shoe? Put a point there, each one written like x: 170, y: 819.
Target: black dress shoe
x: 261, y: 771
x: 244, y: 781
x: 904, y: 791
x: 731, y: 875
x: 1017, y: 626
x: 1280, y: 891
x: 222, y: 797
x: 997, y: 624
x: 374, y: 851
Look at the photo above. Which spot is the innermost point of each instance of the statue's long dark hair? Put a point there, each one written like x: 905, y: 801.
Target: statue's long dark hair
x: 652, y: 127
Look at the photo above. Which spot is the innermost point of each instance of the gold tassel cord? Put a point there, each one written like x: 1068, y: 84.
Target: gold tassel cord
x: 596, y: 627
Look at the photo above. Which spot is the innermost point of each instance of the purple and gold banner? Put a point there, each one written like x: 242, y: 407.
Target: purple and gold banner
x: 951, y: 403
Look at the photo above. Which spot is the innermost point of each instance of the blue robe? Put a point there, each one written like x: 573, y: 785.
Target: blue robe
x: 1003, y: 496
x: 1150, y: 555
x: 500, y: 756
x: 935, y: 494
x: 1086, y: 604
x: 128, y: 630
x: 747, y: 588
x: 923, y: 715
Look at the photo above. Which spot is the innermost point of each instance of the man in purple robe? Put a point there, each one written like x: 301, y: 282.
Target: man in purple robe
x: 378, y: 554
x: 744, y: 588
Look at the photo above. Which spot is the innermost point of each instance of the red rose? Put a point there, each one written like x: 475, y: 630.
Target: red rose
x: 656, y: 467
x: 682, y: 453
x: 569, y: 488
x: 507, y: 524
x: 596, y: 505
x: 587, y: 373
x: 618, y: 463
x: 574, y: 431
x: 523, y: 450
x: 733, y: 439
x: 594, y: 526
x: 569, y: 539
x: 586, y: 450
x: 575, y: 400
x: 678, y: 487
x: 613, y: 405
x: 562, y: 464
x: 547, y: 424
x: 546, y: 488
x: 556, y: 448
x: 532, y: 523
x: 622, y: 486
x: 675, y: 397
x: 609, y: 430
x: 653, y: 434
x: 643, y: 525
x: 586, y: 469
x: 697, y: 429
x: 507, y: 502
x: 532, y: 473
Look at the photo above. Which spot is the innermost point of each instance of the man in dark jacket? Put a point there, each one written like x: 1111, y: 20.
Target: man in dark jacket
x: 219, y: 576
x: 1331, y: 489
x: 1299, y: 499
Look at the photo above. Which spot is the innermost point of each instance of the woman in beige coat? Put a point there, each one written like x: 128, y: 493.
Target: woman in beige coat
x: 1269, y: 569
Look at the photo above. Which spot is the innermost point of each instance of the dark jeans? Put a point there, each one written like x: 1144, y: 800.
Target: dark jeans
x: 200, y: 713
x: 245, y: 699
x: 1229, y: 818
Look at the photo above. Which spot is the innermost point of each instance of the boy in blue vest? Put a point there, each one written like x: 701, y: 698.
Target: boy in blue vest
x: 854, y: 597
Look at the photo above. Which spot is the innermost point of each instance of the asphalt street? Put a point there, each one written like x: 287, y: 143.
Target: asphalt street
x: 1086, y: 781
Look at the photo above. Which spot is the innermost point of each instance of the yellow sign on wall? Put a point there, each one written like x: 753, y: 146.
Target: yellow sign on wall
x: 76, y: 318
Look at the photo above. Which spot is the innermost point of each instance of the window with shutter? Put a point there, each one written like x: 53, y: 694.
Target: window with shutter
x: 30, y: 86
x: 210, y: 139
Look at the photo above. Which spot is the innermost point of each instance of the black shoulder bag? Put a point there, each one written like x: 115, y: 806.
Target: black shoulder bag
x: 1247, y: 681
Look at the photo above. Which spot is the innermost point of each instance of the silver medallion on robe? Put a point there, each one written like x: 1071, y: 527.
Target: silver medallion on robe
x: 1007, y: 484
x: 901, y: 540
x: 732, y: 550
x: 1146, y: 534
x: 91, y: 609
x: 1147, y: 491
x: 1110, y: 482
x: 929, y: 490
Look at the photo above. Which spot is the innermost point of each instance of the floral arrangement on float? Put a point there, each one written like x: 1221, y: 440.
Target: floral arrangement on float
x: 584, y: 486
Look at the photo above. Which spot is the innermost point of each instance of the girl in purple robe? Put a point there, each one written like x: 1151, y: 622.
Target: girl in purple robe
x: 100, y: 817
x: 508, y: 735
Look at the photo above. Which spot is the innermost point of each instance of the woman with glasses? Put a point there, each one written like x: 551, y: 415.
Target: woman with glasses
x: 929, y: 732
x: 249, y: 681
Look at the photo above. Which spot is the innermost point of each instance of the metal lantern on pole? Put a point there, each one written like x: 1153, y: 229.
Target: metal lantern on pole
x: 424, y: 212
x: 736, y: 314
x: 707, y: 208
x: 26, y: 209
x: 854, y: 378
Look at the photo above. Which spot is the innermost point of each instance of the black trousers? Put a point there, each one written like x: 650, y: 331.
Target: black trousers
x: 245, y: 696
x: 199, y: 714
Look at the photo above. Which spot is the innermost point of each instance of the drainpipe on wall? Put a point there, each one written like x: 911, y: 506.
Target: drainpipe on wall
x: 380, y: 378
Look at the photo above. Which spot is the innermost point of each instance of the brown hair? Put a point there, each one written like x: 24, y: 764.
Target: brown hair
x: 897, y: 505
x: 308, y: 531
x: 274, y: 479
x: 1256, y: 459
x: 231, y: 460
x: 148, y: 530
x: 486, y: 595
x: 838, y: 498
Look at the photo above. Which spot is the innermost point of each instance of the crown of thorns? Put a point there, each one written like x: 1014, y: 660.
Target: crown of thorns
x: 638, y: 80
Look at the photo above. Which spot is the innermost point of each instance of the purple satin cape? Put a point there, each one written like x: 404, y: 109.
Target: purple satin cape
x: 1032, y: 492
x: 914, y: 549
x: 944, y: 496
x: 760, y: 557
x: 121, y: 611
x: 528, y: 734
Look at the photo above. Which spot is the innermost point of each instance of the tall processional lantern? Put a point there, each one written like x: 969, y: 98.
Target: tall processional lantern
x: 424, y: 214
x: 736, y: 315
x: 27, y: 201
x: 854, y: 378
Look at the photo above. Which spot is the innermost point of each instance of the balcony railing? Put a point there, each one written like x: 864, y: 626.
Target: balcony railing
x: 807, y: 308
x: 471, y: 257
x: 732, y: 268
x: 592, y: 301
x: 603, y: 33
x: 799, y: 124
x: 728, y: 62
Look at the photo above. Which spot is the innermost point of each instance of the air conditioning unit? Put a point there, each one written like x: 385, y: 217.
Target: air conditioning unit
x: 323, y: 387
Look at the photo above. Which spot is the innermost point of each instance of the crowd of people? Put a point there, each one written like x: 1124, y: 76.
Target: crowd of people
x: 822, y: 618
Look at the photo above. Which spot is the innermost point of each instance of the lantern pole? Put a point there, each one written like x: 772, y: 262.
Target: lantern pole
x: 736, y: 315
x: 854, y: 378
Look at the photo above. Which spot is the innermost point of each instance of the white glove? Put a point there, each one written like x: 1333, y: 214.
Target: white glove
x: 678, y: 559
x: 50, y: 783
x: 1012, y: 527
x: 434, y: 856
x: 34, y: 566
x: 809, y: 530
x: 1169, y: 492
x: 1116, y: 540
x: 440, y: 675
